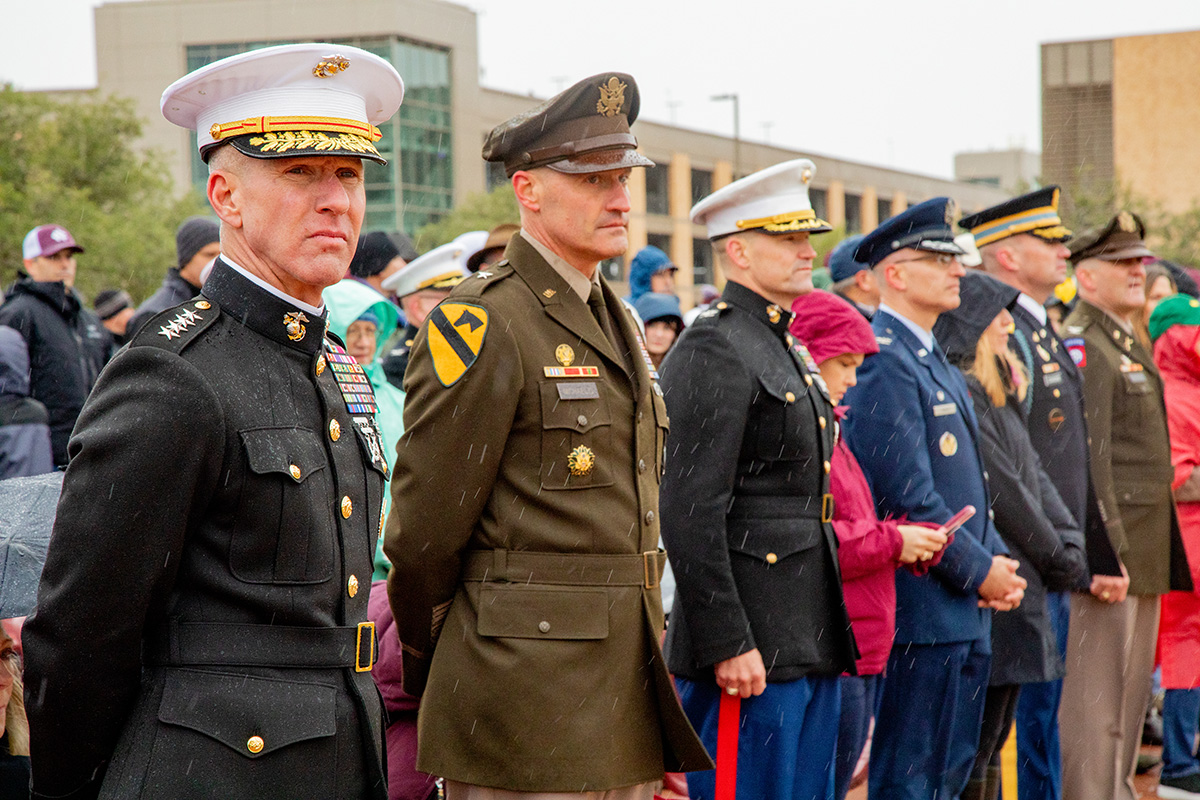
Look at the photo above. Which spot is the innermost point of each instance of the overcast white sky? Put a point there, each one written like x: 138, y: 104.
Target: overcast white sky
x: 904, y: 84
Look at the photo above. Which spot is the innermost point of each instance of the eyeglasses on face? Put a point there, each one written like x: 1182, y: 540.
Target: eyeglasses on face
x: 940, y: 259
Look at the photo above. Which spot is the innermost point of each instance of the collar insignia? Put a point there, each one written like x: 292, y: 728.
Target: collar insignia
x: 294, y: 322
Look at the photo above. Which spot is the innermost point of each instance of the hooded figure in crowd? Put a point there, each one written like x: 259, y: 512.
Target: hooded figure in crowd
x: 651, y: 271
x: 1030, y: 515
x: 362, y: 317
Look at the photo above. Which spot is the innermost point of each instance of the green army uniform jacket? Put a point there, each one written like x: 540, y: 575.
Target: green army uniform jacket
x: 1131, y: 452
x: 524, y: 531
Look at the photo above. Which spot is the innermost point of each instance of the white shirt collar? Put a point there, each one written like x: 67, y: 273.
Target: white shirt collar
x: 1033, y: 307
x: 925, y: 337
x: 282, y: 295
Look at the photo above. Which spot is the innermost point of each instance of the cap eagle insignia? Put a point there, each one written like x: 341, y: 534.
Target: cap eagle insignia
x: 612, y: 97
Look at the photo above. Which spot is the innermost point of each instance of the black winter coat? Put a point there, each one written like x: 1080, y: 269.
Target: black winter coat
x: 68, y: 346
x: 1040, y: 533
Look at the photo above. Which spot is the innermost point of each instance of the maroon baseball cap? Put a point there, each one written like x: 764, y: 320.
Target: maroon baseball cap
x: 46, y: 240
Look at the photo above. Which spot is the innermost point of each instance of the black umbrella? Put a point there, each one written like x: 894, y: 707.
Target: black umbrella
x: 27, y: 507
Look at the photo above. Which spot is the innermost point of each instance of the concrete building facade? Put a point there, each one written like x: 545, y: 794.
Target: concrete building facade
x: 434, y: 143
x: 1126, y: 110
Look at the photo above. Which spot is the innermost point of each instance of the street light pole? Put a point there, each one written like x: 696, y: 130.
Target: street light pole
x: 737, y: 131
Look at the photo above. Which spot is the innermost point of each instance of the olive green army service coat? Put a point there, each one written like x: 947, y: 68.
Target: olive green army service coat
x: 1131, y: 453
x: 524, y: 538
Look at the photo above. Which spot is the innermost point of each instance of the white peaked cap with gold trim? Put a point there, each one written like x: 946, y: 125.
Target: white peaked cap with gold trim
x: 773, y: 200
x: 290, y: 100
x: 442, y: 267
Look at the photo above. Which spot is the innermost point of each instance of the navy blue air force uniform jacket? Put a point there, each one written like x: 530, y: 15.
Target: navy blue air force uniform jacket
x: 913, y: 429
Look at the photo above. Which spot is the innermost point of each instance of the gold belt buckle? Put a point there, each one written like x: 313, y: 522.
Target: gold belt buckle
x: 650, y: 569
x: 827, y: 507
x: 370, y: 628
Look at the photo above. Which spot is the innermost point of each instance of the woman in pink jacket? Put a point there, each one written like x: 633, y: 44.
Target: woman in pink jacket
x: 838, y: 339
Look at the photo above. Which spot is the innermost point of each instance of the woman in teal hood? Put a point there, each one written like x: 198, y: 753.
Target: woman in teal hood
x: 352, y: 302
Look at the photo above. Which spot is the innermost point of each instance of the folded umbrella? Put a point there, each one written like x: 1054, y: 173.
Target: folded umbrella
x: 27, y: 508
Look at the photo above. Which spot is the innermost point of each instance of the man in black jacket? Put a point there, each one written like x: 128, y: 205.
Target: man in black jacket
x: 197, y: 242
x: 745, y: 501
x: 68, y: 345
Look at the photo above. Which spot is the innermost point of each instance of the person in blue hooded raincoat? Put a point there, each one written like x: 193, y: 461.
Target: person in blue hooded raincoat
x: 651, y: 270
x: 353, y: 308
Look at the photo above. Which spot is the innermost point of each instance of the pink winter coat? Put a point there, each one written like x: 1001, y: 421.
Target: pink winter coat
x: 1179, y: 630
x: 868, y: 554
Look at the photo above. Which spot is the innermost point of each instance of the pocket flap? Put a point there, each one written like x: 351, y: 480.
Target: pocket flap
x: 523, y: 613
x: 294, y: 452
x: 772, y: 540
x: 252, y: 716
x: 780, y: 383
x: 576, y: 415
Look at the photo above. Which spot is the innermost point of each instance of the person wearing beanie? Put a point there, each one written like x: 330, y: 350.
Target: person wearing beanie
x: 869, y: 549
x: 664, y: 322
x: 651, y: 271
x: 114, y: 307
x: 379, y: 256
x: 1030, y: 515
x: 197, y: 243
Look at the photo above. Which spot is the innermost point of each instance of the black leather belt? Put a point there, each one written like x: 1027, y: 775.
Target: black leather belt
x: 569, y: 569
x: 818, y: 507
x: 246, y: 645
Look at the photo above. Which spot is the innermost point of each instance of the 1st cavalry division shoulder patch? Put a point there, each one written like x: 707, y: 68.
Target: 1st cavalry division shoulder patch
x: 456, y: 332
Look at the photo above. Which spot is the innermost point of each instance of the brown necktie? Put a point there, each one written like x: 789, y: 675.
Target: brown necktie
x: 600, y: 312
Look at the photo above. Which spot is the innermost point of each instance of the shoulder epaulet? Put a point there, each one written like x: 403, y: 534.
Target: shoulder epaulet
x: 476, y: 284
x: 177, y: 327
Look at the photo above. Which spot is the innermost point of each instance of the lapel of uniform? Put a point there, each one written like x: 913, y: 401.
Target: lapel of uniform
x: 938, y: 370
x: 559, y: 299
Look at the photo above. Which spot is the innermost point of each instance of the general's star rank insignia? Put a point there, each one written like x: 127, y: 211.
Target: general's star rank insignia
x: 456, y: 332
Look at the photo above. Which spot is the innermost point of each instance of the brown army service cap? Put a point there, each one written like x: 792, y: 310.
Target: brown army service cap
x: 582, y: 129
x: 1120, y: 239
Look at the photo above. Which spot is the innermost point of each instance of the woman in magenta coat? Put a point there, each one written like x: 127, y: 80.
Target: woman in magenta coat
x: 1175, y: 329
x: 838, y: 339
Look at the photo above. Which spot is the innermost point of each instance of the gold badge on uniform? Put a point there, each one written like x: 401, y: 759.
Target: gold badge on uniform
x: 294, y: 322
x: 948, y: 444
x: 331, y: 66
x: 549, y: 293
x: 1056, y: 419
x: 1126, y: 223
x: 773, y: 314
x: 455, y: 336
x: 612, y: 97
x: 564, y: 355
x: 581, y: 460
x: 1045, y: 354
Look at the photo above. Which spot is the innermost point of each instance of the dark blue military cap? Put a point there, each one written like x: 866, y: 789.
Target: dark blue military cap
x: 925, y: 226
x: 841, y: 261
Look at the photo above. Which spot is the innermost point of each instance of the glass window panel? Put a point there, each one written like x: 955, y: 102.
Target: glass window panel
x: 853, y: 213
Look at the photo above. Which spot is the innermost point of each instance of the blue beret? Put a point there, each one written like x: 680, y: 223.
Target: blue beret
x: 925, y: 226
x: 841, y: 261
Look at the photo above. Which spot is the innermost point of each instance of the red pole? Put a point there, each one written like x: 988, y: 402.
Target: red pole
x: 728, y: 722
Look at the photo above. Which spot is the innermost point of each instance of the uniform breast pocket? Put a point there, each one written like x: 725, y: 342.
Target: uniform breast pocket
x: 576, y: 440
x: 787, y: 425
x: 286, y: 526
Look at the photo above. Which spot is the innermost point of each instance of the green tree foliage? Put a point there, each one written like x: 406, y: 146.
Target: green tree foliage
x: 75, y: 162
x: 477, y: 212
